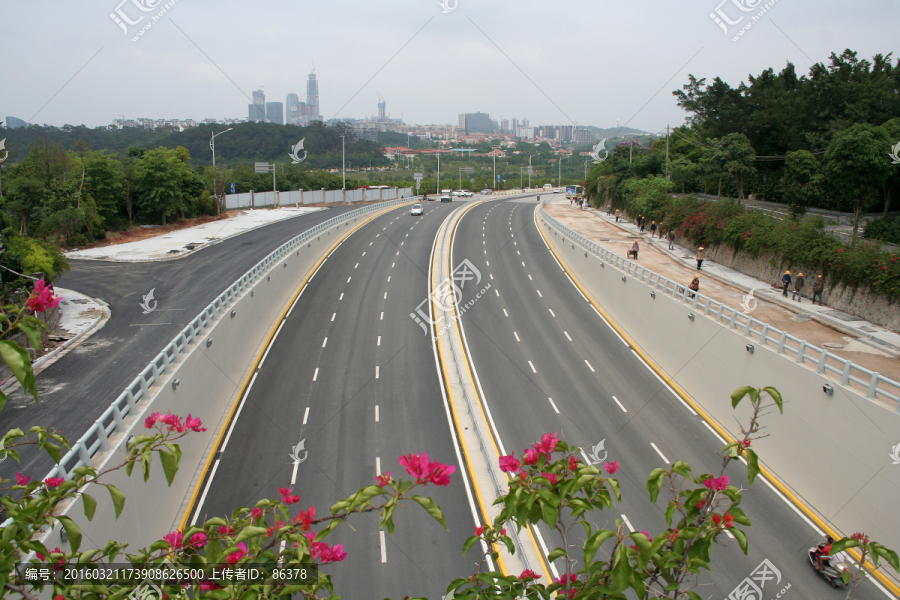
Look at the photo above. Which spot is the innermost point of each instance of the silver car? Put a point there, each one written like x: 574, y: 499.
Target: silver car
x: 417, y: 210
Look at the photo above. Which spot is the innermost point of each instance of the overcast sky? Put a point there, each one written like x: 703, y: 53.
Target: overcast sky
x: 553, y: 62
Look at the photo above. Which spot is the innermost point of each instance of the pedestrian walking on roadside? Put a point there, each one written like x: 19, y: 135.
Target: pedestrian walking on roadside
x: 634, y: 250
x: 642, y: 221
x: 695, y: 286
x: 699, y: 257
x: 798, y: 288
x: 653, y: 229
x: 608, y: 209
x: 671, y: 239
x: 785, y: 283
x: 617, y: 215
x: 818, y: 288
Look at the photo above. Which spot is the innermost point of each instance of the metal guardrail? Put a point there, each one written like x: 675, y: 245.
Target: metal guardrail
x: 851, y: 374
x: 137, y: 393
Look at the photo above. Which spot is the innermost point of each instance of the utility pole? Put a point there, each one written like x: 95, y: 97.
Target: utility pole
x: 343, y: 165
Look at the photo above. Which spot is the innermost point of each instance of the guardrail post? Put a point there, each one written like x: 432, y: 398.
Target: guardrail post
x: 748, y: 327
x: 764, y: 336
x: 145, y: 389
x: 823, y: 358
x: 706, y: 307
x: 873, y: 386
x: 719, y: 313
x: 101, y: 435
x: 845, y: 377
x: 800, y: 352
x: 782, y: 342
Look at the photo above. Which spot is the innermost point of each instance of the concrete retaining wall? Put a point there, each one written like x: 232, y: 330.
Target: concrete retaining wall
x: 301, y: 197
x: 209, y: 380
x: 833, y: 451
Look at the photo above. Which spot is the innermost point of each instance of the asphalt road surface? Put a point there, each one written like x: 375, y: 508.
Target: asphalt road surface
x: 354, y: 376
x: 548, y: 362
x: 77, y: 388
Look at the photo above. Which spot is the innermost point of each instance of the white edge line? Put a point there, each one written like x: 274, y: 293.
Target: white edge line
x: 306, y: 415
x: 663, y: 456
x: 205, y: 491
x: 620, y: 404
x: 714, y: 432
x: 383, y: 547
x: 553, y: 404
x: 628, y: 524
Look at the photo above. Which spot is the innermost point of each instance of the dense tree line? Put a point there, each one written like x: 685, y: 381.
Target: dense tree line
x: 818, y: 140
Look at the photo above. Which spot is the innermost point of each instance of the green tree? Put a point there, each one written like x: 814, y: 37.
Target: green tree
x: 857, y: 168
x: 892, y: 185
x: 160, y: 177
x: 683, y: 171
x: 802, y: 181
x: 737, y: 157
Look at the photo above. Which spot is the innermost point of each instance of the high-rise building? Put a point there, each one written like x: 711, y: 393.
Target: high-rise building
x: 513, y: 125
x: 477, y: 122
x: 382, y: 109
x: 257, y: 110
x: 524, y: 123
x: 275, y: 112
x: 312, y: 96
x: 14, y: 123
x: 504, y: 125
x: 292, y: 109
x: 461, y: 122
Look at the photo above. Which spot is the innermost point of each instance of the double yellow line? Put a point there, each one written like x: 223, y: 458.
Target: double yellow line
x: 456, y: 420
x: 772, y: 479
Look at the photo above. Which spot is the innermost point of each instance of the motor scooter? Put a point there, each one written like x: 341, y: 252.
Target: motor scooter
x: 833, y: 568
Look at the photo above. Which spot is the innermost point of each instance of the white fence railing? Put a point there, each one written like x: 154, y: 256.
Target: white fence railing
x: 137, y: 393
x: 301, y: 197
x: 851, y: 374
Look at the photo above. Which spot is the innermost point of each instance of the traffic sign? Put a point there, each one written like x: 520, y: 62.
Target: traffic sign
x: 498, y: 179
x: 530, y: 170
x: 467, y: 169
x: 418, y: 176
x: 261, y: 167
x: 232, y: 188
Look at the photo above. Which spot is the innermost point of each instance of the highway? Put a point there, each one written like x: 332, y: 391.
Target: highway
x: 78, y: 387
x: 354, y: 376
x: 547, y: 361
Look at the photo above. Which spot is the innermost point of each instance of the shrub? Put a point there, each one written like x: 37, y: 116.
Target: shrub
x: 885, y: 229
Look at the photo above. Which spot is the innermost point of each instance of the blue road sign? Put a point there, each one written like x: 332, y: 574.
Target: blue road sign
x: 232, y: 188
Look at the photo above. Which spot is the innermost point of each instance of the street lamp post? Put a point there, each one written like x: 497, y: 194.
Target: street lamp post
x: 212, y: 146
x: 529, y: 168
x: 343, y: 165
x: 559, y: 164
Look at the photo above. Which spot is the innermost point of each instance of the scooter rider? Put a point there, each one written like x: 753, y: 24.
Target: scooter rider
x: 822, y: 550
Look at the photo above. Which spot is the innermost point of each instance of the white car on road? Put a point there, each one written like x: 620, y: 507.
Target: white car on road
x: 417, y: 210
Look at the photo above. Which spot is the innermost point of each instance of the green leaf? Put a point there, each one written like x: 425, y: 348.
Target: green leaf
x: 433, y: 509
x: 752, y: 465
x: 741, y: 538
x: 738, y: 395
x: 654, y: 481
x: 550, y: 513
x: 2, y: 400
x: 213, y: 550
x: 642, y: 543
x: 33, y: 334
x: 118, y: 498
x: 776, y: 396
x: 670, y: 512
x: 639, y: 586
x: 739, y: 516
x: 891, y: 557
x: 843, y: 544
x: 556, y: 554
x: 682, y: 468
x: 594, y: 542
x: 169, y: 462
x: 73, y: 531
x: 470, y: 541
x: 248, y: 532
x: 621, y: 569
x: 90, y: 506
x: 19, y: 362
x: 54, y: 451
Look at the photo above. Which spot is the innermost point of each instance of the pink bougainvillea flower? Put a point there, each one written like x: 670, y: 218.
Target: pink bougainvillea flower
x: 194, y: 423
x: 716, y: 519
x: 54, y: 481
x: 305, y: 518
x: 529, y: 574
x: 416, y: 465
x: 551, y: 477
x: 509, y: 463
x: 175, y: 539
x: 21, y: 479
x: 729, y: 520
x: 840, y: 249
x: 334, y: 554
x: 439, y: 473
x: 573, y: 463
x: 206, y: 586
x: 226, y: 530
x: 479, y: 531
x: 531, y: 456
x: 150, y: 421
x: 573, y: 578
x: 234, y: 557
x: 42, y: 298
x: 717, y: 483
x: 611, y: 467
x: 199, y: 539
x: 257, y: 513
x: 286, y: 496
x: 383, y: 479
x: 42, y: 557
x: 547, y: 444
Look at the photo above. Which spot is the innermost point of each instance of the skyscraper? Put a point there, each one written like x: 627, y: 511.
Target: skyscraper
x: 382, y: 109
x: 477, y: 122
x: 292, y: 109
x: 312, y: 96
x: 514, y: 126
x: 504, y: 125
x: 257, y: 110
x: 13, y: 123
x: 275, y: 112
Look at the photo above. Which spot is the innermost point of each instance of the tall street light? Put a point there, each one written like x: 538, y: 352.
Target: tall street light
x: 212, y: 146
x: 343, y: 165
x: 559, y: 163
x: 529, y: 168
